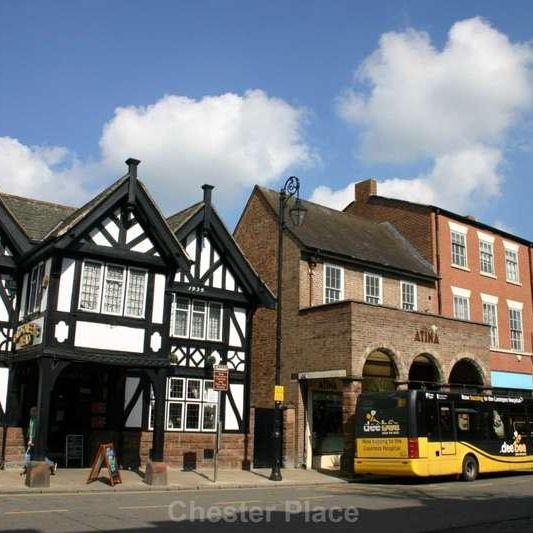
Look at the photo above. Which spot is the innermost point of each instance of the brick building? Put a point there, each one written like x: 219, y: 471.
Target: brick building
x: 360, y: 313
x: 484, y: 273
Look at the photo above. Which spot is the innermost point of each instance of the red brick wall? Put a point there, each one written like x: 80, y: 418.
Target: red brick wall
x: 478, y: 283
x: 412, y: 221
x: 236, y: 450
x: 14, y: 446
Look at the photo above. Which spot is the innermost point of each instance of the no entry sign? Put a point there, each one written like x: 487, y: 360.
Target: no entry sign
x: 220, y: 378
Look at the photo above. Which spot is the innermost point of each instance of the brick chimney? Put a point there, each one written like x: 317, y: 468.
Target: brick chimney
x: 365, y: 189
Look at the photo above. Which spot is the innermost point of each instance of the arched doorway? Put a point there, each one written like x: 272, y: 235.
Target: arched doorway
x: 465, y: 373
x: 379, y: 372
x: 423, y: 373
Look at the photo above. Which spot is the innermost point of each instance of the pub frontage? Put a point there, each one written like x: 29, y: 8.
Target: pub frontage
x: 111, y: 320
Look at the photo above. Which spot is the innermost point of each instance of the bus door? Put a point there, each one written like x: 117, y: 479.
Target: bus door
x: 447, y: 434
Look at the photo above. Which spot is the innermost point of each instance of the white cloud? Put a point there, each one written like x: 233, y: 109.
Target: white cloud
x: 457, y: 178
x: 40, y: 172
x: 227, y: 140
x: 454, y: 106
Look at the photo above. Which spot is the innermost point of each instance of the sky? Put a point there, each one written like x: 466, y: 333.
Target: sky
x: 433, y: 99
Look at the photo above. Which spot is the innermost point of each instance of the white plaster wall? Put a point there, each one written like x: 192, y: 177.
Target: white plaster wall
x: 66, y: 282
x: 135, y: 418
x: 4, y: 377
x: 159, y: 299
x: 205, y: 256
x: 237, y: 390
x: 109, y: 337
x: 4, y: 312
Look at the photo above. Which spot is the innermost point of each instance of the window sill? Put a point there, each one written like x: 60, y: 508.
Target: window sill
x: 488, y: 275
x: 466, y: 269
x: 511, y: 352
x: 517, y: 283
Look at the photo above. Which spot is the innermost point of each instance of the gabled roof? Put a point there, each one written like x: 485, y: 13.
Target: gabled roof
x: 183, y: 222
x: 353, y: 238
x: 35, y: 217
x: 177, y: 220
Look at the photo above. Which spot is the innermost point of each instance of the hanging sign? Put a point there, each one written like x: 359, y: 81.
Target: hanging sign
x: 107, y: 458
x: 220, y: 378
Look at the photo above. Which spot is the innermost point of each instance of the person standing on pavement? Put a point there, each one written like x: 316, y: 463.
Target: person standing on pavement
x: 32, y: 434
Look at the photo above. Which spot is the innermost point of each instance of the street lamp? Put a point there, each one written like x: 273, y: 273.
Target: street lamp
x: 296, y: 215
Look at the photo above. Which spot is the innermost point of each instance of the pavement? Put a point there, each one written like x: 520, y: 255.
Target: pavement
x: 74, y: 480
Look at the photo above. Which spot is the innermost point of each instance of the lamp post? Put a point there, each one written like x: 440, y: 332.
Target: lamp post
x: 296, y: 215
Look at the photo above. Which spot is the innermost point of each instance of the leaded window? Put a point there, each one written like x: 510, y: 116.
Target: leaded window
x: 91, y: 283
x: 198, y: 319
x: 181, y: 317
x: 214, y: 324
x: 136, y: 293
x: 332, y: 283
x: 36, y: 288
x: 459, y: 249
x: 113, y: 290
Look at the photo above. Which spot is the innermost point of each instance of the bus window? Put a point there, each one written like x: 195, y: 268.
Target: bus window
x: 446, y: 427
x: 497, y: 424
x: 519, y: 425
x: 469, y: 425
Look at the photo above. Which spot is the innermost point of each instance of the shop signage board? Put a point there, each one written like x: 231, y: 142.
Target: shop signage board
x: 74, y: 450
x: 220, y: 378
x: 105, y: 457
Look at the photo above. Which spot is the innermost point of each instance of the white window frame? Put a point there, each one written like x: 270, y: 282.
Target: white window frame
x: 204, y: 405
x: 519, y: 308
x: 173, y: 317
x: 201, y: 389
x: 169, y: 388
x: 187, y: 405
x: 127, y: 291
x: 36, y: 290
x: 465, y: 295
x: 207, y: 329
x: 463, y: 236
x: 490, y: 246
x: 340, y: 290
x: 103, y: 291
x: 380, y: 288
x: 513, y: 249
x: 167, y: 415
x: 101, y: 286
x: 494, y: 338
x: 192, y: 311
x: 415, y: 295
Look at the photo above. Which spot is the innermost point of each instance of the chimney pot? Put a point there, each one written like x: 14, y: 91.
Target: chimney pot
x: 132, y: 166
x: 365, y: 189
x: 207, y: 193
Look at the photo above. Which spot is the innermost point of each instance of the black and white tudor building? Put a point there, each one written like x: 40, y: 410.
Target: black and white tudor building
x: 111, y: 318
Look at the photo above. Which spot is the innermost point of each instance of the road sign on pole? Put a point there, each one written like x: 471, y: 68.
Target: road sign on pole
x: 220, y: 384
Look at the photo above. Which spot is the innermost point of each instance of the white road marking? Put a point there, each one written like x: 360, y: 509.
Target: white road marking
x: 144, y: 507
x: 39, y: 511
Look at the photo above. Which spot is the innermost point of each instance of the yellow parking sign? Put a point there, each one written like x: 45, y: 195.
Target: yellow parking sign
x: 279, y: 393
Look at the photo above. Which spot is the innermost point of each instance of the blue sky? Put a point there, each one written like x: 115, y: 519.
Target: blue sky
x: 237, y: 93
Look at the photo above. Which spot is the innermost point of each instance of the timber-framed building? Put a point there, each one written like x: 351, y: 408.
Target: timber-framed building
x: 111, y: 318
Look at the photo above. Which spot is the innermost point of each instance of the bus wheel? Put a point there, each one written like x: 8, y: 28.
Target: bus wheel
x: 470, y: 468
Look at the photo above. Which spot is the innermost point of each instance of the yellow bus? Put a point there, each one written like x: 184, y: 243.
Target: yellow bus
x: 427, y: 433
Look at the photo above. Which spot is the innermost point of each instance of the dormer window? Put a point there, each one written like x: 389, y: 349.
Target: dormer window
x: 113, y: 289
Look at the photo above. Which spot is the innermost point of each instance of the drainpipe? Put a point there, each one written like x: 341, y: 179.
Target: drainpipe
x: 437, y: 246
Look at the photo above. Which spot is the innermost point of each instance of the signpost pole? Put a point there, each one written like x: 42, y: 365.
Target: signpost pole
x: 221, y: 385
